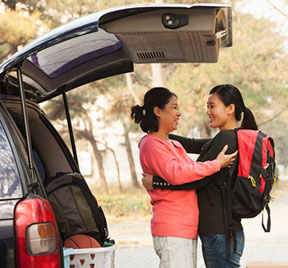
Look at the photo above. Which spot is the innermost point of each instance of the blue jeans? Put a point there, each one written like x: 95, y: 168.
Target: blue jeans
x: 214, y: 250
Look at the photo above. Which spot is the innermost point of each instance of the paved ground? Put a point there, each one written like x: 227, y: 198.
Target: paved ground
x: 136, y: 251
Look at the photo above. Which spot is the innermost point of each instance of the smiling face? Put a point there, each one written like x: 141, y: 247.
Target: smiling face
x: 169, y: 116
x: 220, y: 116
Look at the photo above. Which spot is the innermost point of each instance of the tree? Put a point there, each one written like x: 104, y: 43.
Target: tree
x: 278, y: 8
x: 87, y: 133
x: 17, y: 29
x: 119, y: 110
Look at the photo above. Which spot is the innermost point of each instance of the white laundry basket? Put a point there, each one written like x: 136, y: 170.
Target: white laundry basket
x: 93, y: 257
x: 66, y: 255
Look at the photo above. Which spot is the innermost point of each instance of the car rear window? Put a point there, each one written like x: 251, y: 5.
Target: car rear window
x: 64, y: 56
x: 10, y: 186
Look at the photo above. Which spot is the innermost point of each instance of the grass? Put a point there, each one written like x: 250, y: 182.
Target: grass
x: 131, y: 203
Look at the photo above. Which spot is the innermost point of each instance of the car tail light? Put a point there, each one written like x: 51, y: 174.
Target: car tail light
x: 36, y: 235
x: 41, y: 239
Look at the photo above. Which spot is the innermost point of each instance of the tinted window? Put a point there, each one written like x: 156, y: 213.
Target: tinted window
x: 62, y: 57
x: 10, y: 186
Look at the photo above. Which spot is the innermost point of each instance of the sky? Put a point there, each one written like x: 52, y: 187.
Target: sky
x: 263, y: 8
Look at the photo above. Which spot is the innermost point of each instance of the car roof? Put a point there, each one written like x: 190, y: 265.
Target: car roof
x: 108, y: 43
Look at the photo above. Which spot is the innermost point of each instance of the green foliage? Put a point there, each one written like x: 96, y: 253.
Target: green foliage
x: 16, y: 29
x: 31, y: 5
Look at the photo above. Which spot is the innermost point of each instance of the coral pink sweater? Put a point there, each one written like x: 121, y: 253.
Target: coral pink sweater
x: 175, y: 213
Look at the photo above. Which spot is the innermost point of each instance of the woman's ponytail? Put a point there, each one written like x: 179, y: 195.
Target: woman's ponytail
x: 249, y: 121
x: 137, y: 113
x: 144, y: 117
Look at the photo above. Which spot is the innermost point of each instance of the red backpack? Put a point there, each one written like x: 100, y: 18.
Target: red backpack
x: 255, y: 175
x: 249, y: 193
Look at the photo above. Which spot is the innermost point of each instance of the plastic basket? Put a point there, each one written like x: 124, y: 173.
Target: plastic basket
x: 93, y: 257
x: 66, y: 255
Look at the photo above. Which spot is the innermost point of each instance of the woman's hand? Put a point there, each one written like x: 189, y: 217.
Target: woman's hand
x: 147, y: 181
x: 226, y: 160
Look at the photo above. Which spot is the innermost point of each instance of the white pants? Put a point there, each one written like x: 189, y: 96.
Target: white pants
x: 176, y: 252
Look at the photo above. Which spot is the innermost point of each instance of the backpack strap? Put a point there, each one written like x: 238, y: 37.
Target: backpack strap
x: 227, y: 204
x: 268, y: 226
x: 268, y: 172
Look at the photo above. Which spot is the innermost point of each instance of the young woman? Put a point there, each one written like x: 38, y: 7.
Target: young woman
x: 225, y: 107
x: 174, y: 225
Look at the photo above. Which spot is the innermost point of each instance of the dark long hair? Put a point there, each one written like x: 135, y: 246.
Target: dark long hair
x: 229, y: 94
x: 144, y: 115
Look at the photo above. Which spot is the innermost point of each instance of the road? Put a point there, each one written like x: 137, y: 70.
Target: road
x: 135, y: 247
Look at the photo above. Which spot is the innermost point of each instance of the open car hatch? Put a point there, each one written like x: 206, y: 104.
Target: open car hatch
x: 108, y: 43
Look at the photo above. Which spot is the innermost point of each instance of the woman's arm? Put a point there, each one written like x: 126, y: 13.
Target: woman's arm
x: 157, y: 157
x: 191, y: 146
x: 159, y: 183
x: 224, y: 137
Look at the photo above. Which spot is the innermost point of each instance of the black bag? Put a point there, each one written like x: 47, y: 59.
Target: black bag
x: 76, y: 209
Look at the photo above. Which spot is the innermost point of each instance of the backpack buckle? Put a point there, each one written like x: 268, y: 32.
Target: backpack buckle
x: 253, y: 182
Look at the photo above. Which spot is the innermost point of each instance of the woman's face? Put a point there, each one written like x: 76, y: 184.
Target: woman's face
x: 219, y: 114
x: 169, y: 116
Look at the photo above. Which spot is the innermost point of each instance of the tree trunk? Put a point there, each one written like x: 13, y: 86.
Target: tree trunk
x: 157, y: 79
x: 130, y: 155
x: 88, y: 135
x: 130, y: 88
x: 117, y: 168
x: 10, y: 3
x: 99, y: 160
x: 98, y: 157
